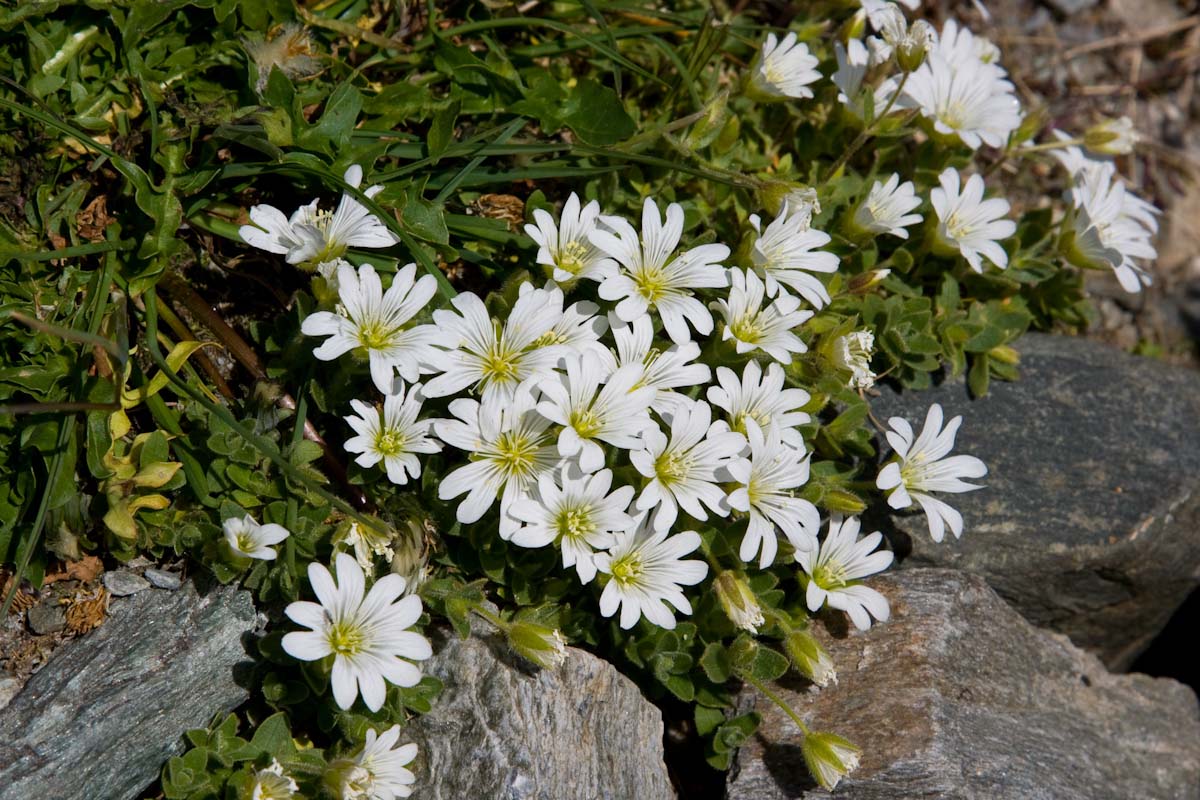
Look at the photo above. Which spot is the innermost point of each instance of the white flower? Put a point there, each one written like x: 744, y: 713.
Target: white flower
x: 758, y: 396
x: 665, y: 370
x: 248, y: 539
x: 580, y: 517
x: 967, y: 223
x: 1109, y: 231
x: 966, y: 98
x: 646, y: 571
x: 496, y: 360
x: 579, y: 326
x: 272, y: 784
x: 910, y: 44
x: 1082, y: 168
x: 652, y: 279
x: 887, y: 206
x: 367, y: 542
x: 685, y: 469
x: 852, y: 353
x: 958, y: 45
x: 378, y: 771
x: 312, y: 236
x: 785, y: 68
x: 368, y: 638
x: 835, y: 570
x: 853, y: 61
x: 615, y: 415
x: 776, y: 468
x: 392, y: 434
x: 784, y: 254
x: 922, y: 467
x: 565, y: 247
x: 803, y: 203
x: 371, y: 319
x: 753, y: 327
x: 510, y: 449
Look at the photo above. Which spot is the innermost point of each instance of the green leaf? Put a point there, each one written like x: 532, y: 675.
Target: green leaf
x: 715, y: 663
x: 273, y: 737
x: 425, y: 219
x: 441, y: 131
x: 596, y: 115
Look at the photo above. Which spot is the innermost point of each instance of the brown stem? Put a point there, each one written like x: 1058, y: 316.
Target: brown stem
x: 185, y: 334
x: 245, y: 355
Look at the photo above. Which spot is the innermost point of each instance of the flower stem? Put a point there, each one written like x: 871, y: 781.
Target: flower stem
x: 861, y: 139
x: 777, y: 700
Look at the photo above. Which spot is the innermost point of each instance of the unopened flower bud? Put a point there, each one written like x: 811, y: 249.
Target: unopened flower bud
x: 864, y: 282
x: 540, y: 644
x: 810, y: 658
x: 1112, y: 137
x: 738, y: 601
x: 710, y: 126
x: 1005, y: 354
x: 829, y: 758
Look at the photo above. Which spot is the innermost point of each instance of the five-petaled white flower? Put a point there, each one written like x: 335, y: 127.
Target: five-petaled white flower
x: 685, y: 469
x: 752, y: 326
x: 834, y: 571
x: 969, y: 224
x: 312, y: 236
x: 784, y: 254
x: 759, y: 397
x: 565, y: 248
x: 496, y: 359
x: 375, y: 321
x: 590, y: 415
x: 510, y: 448
x: 767, y: 482
x: 392, y: 434
x: 369, y: 638
x: 651, y: 278
x: 1104, y: 233
x: 886, y: 208
x: 664, y: 370
x: 645, y: 569
x: 248, y: 539
x: 271, y: 783
x: 379, y: 771
x: 922, y: 467
x: 580, y: 516
x: 579, y: 326
x: 784, y: 68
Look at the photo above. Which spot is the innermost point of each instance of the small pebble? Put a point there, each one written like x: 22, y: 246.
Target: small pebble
x: 122, y: 582
x: 47, y: 618
x: 9, y: 686
x: 163, y: 579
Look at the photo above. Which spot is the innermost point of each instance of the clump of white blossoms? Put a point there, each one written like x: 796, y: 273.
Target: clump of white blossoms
x: 646, y: 569
x: 968, y: 224
x: 784, y: 68
x: 923, y: 465
x: 377, y: 323
x: 247, y: 539
x: 367, y: 633
x: 378, y: 771
x: 834, y: 572
x: 311, y: 237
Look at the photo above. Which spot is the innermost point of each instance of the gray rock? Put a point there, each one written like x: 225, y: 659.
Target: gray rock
x: 108, y: 709
x: 1069, y: 8
x: 957, y: 697
x: 9, y: 686
x: 122, y: 583
x: 1090, y: 522
x: 46, y: 618
x: 507, y: 730
x: 163, y: 579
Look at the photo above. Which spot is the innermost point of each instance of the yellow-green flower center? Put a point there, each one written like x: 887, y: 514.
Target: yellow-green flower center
x: 575, y: 523
x: 671, y: 466
x: 830, y: 575
x: 651, y: 283
x: 627, y: 569
x: 500, y: 362
x: 515, y: 453
x: 390, y: 442
x: 571, y: 255
x: 246, y: 543
x: 375, y: 335
x: 585, y: 422
x: 346, y: 639
x: 747, y: 328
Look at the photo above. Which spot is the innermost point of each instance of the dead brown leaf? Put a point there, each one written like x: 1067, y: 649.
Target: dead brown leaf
x: 91, y: 221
